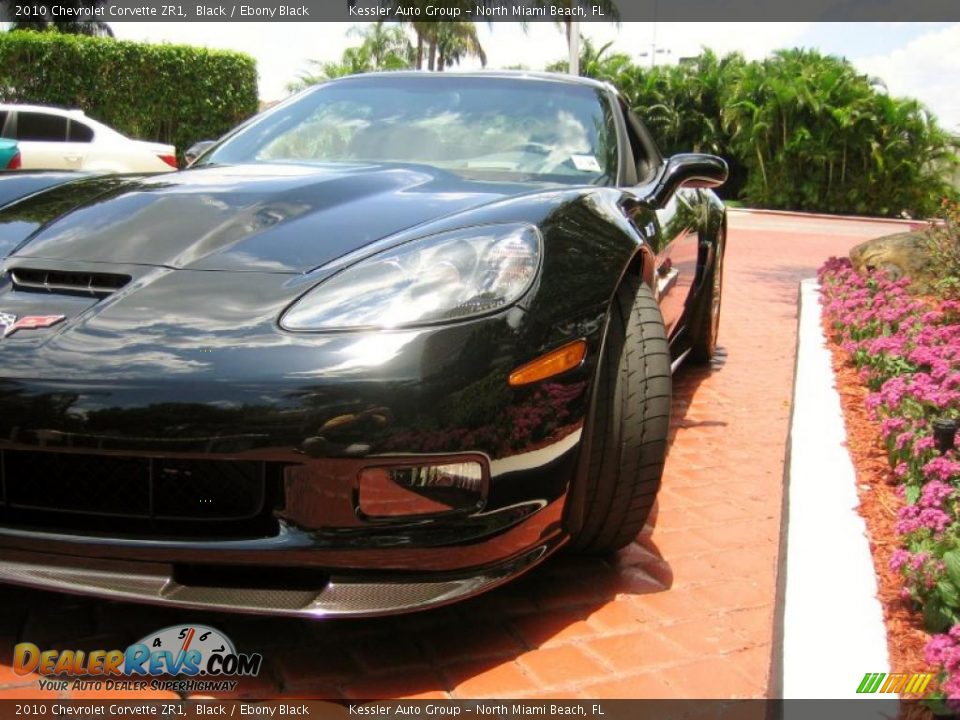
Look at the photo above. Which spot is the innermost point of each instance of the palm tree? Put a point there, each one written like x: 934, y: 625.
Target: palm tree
x: 597, y: 63
x: 430, y: 33
x: 608, y: 7
x: 383, y: 48
x: 600, y: 64
x: 456, y: 40
x: 388, y: 48
x: 353, y: 61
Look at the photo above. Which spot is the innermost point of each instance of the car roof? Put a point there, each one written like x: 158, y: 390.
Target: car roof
x: 505, y: 74
x: 42, y: 108
x: 63, y: 112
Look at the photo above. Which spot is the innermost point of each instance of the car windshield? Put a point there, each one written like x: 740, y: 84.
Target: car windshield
x: 482, y: 127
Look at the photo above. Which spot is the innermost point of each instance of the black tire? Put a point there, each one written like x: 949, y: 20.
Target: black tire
x: 706, y: 316
x: 632, y: 418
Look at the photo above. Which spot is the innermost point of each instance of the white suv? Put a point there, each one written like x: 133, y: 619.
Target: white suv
x: 55, y: 139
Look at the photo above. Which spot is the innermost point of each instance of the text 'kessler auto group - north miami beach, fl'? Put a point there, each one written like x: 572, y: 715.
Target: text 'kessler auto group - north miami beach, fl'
x: 518, y: 11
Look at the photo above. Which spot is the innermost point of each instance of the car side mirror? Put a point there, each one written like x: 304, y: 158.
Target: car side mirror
x: 196, y: 150
x: 689, y: 170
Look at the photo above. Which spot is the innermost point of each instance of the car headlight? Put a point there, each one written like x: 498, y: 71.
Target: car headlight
x: 440, y: 278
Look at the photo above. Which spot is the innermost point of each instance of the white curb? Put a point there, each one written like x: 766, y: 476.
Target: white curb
x: 833, y: 629
x: 895, y: 222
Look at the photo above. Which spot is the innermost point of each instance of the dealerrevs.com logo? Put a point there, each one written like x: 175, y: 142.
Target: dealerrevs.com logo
x: 185, y: 651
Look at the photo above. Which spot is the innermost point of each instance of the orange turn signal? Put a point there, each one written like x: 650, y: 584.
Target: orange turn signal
x: 553, y: 363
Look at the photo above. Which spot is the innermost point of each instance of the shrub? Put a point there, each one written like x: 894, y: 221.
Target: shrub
x: 166, y: 93
x: 943, y: 241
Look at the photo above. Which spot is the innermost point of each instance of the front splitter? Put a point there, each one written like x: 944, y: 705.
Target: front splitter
x: 155, y: 583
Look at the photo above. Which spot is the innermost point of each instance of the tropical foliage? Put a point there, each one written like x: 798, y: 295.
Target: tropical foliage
x: 801, y: 130
x: 607, y: 7
x: 943, y: 242
x: 169, y: 93
x: 443, y: 44
x: 382, y: 47
x: 455, y: 41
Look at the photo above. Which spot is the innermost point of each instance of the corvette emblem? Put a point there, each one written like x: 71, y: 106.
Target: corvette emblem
x: 9, y: 324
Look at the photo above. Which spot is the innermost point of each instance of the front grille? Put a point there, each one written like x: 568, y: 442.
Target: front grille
x: 137, y: 495
x: 86, y: 283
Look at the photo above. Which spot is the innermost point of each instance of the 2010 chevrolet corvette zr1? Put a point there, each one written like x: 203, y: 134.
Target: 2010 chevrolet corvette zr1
x: 384, y: 346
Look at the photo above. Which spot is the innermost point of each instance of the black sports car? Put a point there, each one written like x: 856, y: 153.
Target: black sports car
x: 387, y: 345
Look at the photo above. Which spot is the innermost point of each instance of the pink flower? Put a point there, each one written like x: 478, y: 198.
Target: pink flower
x: 921, y: 445
x: 899, y: 559
x: 942, y: 468
x: 936, y: 648
x: 934, y: 493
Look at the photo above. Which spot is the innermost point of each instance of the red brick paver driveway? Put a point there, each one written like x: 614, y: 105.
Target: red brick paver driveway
x: 686, y: 611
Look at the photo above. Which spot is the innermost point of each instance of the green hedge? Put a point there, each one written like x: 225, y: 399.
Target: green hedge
x: 165, y: 93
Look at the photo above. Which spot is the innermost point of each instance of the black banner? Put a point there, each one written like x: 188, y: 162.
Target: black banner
x: 860, y: 709
x: 480, y: 10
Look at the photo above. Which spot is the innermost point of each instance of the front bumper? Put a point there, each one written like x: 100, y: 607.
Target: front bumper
x: 314, y: 410
x: 361, y: 568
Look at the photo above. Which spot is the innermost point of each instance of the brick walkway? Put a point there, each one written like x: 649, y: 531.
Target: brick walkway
x: 686, y: 611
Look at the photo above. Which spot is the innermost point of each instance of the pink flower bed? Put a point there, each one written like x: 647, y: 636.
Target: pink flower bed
x: 907, y: 352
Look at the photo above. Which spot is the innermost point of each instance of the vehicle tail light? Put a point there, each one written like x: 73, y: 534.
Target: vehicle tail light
x: 14, y: 163
x: 170, y: 160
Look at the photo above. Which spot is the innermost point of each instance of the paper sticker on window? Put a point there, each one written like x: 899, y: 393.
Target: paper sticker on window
x: 587, y: 163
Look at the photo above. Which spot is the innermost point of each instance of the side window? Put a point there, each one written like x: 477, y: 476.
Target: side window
x: 78, y: 132
x: 646, y: 157
x: 41, y: 126
x: 3, y: 125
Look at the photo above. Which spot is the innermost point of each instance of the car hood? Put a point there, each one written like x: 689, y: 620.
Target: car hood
x: 265, y: 218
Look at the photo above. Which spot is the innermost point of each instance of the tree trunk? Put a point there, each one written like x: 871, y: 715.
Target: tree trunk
x: 432, y: 62
x: 763, y: 169
x: 419, y: 51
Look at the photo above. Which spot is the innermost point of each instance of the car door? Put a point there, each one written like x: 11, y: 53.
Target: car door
x: 79, y: 146
x: 43, y: 141
x: 677, y: 260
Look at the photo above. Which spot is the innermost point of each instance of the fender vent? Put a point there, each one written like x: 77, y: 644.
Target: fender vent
x: 58, y: 281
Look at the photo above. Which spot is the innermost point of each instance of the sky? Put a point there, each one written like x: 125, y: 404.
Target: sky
x: 920, y: 60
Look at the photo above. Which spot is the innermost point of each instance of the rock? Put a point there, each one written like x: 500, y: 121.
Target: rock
x: 899, y: 254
